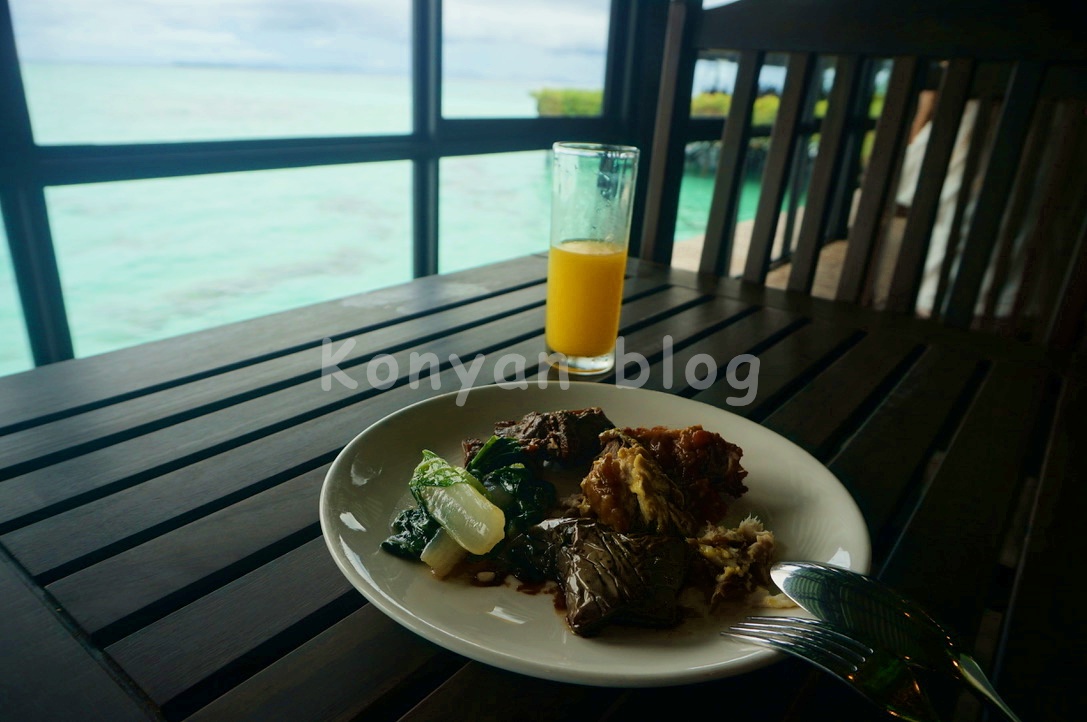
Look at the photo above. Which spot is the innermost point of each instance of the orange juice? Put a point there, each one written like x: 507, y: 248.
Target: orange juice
x: 584, y: 294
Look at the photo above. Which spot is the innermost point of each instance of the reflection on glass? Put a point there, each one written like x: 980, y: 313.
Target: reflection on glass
x: 15, y: 351
x: 493, y: 207
x: 159, y: 70
x: 523, y: 59
x: 143, y: 260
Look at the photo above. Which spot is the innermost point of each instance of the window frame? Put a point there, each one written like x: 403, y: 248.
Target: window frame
x: 635, y: 34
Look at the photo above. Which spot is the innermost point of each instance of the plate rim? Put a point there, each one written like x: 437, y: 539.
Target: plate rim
x: 483, y: 654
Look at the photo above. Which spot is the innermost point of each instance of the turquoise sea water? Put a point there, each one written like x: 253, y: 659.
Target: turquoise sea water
x: 144, y: 260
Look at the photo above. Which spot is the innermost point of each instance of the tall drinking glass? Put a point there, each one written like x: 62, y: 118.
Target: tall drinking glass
x: 591, y: 201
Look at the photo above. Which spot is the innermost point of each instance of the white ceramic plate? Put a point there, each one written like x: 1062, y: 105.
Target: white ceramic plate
x: 812, y: 516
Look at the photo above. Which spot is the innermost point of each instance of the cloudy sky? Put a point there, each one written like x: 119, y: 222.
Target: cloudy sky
x: 490, y: 38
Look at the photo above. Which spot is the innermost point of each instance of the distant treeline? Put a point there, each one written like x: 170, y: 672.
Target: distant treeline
x: 553, y: 102
x: 701, y: 157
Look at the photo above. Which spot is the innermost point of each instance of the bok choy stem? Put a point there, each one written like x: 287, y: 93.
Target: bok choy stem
x: 458, y: 502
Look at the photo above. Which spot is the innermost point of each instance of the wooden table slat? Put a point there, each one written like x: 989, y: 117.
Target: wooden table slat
x: 784, y: 367
x: 71, y: 535
x: 1046, y: 620
x: 872, y: 320
x: 173, y: 654
x: 330, y: 676
x: 744, y: 336
x: 890, y: 450
x: 45, y: 672
x: 61, y: 388
x: 481, y: 692
x: 976, y: 485
x: 192, y: 559
x: 79, y: 433
x: 651, y: 340
x: 820, y: 412
x: 661, y: 702
x: 203, y: 436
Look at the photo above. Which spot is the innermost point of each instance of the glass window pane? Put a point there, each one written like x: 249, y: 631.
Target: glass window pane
x: 130, y: 71
x: 523, y: 59
x: 143, y: 260
x: 15, y: 350
x: 493, y: 207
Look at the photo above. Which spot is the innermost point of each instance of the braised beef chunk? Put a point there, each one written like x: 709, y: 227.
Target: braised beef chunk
x: 607, y: 577
x: 563, y: 438
x: 471, y: 447
x: 567, y: 438
x: 629, y: 491
x: 704, y: 465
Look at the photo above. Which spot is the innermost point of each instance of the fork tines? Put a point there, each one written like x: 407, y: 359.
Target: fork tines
x: 804, y: 637
x: 876, y: 674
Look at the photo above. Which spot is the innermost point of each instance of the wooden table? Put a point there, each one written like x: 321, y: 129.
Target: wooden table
x: 162, y: 558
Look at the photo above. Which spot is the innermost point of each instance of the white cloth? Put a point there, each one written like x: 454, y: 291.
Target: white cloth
x: 941, y: 230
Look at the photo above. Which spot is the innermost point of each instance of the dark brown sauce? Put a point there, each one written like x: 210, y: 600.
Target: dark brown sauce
x: 490, y: 573
x: 480, y: 573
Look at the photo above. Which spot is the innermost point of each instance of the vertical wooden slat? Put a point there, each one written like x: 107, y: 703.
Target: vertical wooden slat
x: 1011, y: 134
x: 975, y: 155
x: 673, y: 109
x: 841, y: 107
x: 877, y: 187
x: 728, y: 184
x: 619, y: 64
x: 947, y: 117
x: 1041, y: 289
x: 1037, y: 170
x: 849, y: 179
x: 783, y: 141
x: 799, y: 177
x: 631, y: 112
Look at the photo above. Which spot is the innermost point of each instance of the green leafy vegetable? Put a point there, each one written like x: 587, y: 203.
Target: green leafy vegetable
x: 412, y: 529
x: 529, y: 497
x: 469, y: 510
x: 458, y: 501
x: 496, y: 453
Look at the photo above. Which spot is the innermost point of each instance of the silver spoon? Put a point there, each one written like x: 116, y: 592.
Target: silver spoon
x: 875, y: 613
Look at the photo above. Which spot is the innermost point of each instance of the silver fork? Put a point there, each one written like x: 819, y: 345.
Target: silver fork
x: 882, y: 678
